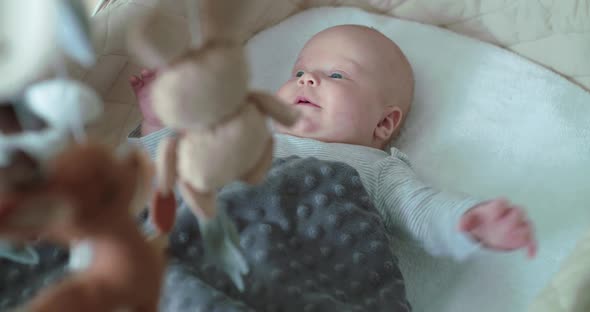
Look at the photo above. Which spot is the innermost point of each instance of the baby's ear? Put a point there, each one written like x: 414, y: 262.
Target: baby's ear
x: 390, y: 122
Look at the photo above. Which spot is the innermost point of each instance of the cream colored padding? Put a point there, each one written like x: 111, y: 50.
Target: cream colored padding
x: 567, y: 291
x: 554, y: 33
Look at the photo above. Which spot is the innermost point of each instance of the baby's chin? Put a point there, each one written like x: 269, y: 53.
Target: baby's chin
x: 310, y: 131
x: 304, y: 128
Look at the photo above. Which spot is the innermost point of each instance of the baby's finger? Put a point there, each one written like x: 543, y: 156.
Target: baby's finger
x: 532, y: 249
x: 147, y: 73
x: 500, y: 208
x: 503, y: 201
x: 532, y: 246
x: 513, y: 218
x: 469, y: 221
x: 522, y: 237
x: 134, y: 80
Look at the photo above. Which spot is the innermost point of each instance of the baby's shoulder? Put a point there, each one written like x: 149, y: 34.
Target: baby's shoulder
x: 397, y: 157
x: 395, y: 166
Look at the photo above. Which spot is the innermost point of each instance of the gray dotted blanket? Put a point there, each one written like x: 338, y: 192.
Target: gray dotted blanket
x: 310, y: 234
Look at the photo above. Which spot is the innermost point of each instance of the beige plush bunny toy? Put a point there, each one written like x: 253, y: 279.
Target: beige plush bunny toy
x: 221, y: 126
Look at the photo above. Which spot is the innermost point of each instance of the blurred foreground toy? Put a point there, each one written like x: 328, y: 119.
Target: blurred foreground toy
x: 34, y: 38
x: 221, y: 126
x: 32, y: 131
x: 37, y: 119
x: 85, y: 202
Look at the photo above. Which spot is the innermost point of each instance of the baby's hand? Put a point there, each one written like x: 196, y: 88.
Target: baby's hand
x: 499, y: 225
x: 142, y: 88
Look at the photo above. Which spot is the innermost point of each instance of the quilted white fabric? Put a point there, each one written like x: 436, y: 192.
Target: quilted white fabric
x: 553, y: 33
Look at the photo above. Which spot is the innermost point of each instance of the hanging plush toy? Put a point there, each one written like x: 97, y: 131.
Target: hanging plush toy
x: 85, y: 201
x: 38, y: 120
x: 27, y: 43
x: 569, y: 290
x: 221, y: 126
x: 34, y: 37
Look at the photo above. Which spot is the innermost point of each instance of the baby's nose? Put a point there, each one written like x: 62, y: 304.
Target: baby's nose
x: 308, y: 79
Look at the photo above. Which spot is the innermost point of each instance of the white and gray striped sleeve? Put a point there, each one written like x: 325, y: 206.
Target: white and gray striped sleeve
x: 150, y: 142
x: 422, y: 212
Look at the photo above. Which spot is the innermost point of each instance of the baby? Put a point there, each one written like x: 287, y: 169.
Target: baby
x: 354, y: 88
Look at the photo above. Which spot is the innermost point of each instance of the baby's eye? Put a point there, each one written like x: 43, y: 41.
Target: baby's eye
x: 336, y: 76
x: 299, y: 73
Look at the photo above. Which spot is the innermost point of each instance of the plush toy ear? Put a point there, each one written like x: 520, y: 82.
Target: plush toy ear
x: 74, y: 33
x: 27, y: 43
x: 154, y: 43
x: 221, y: 20
x: 64, y: 103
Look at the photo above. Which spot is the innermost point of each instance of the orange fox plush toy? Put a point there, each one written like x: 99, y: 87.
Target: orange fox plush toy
x: 85, y: 200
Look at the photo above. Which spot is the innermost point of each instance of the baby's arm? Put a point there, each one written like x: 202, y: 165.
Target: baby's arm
x: 150, y: 142
x: 443, y: 221
x: 142, y: 87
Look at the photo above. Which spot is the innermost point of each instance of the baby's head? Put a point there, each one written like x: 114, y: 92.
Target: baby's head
x: 352, y: 85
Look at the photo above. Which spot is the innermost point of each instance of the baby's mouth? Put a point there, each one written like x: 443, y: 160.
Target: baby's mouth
x: 301, y: 100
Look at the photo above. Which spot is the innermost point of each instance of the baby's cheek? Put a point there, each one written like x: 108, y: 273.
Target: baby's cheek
x: 285, y: 91
x: 347, y: 119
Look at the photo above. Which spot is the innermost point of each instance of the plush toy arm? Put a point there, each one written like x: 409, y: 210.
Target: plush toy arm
x: 569, y: 290
x: 275, y: 108
x: 163, y: 208
x: 166, y: 160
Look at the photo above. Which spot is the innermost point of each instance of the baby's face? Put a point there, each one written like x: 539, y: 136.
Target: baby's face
x: 339, y: 83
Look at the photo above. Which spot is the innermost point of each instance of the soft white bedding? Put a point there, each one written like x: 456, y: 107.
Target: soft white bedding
x: 486, y: 122
x: 554, y: 33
